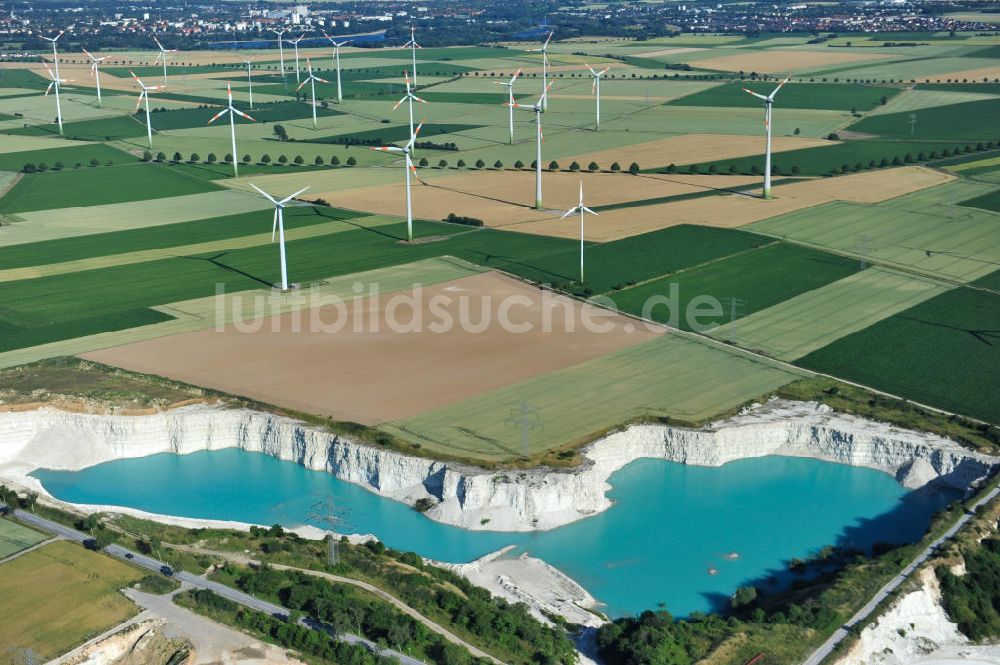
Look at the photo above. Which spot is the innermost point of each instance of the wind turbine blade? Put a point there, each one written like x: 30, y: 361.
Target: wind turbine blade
x: 320, y: 80
x: 396, y: 105
x: 546, y: 45
x: 388, y: 148
x: 301, y: 84
x: 570, y: 212
x: 158, y: 43
x: 241, y: 113
x: 771, y: 96
x: 264, y: 194
x: 217, y: 116
x: 49, y: 89
x: 758, y: 96
x: 593, y: 86
x: 292, y: 196
x: 514, y: 77
x: 590, y: 68
x: 414, y: 137
x: 138, y: 102
x: 586, y: 209
x: 88, y: 54
x: 422, y: 101
x: 274, y: 226
x: 604, y: 71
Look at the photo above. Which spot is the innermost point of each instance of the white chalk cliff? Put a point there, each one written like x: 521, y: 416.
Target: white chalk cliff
x: 465, y: 496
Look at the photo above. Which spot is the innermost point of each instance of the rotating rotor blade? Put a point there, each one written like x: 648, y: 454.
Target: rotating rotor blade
x: 388, y: 148
x: 775, y: 91
x: 757, y: 95
x: 264, y: 194
x: 241, y: 113
x: 274, y: 226
x: 570, y: 212
x: 586, y: 209
x: 292, y: 196
x: 218, y: 115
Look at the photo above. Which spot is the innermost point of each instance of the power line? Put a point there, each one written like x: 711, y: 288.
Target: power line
x: 527, y: 418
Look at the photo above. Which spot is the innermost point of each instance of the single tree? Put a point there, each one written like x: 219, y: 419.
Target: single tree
x: 298, y: 160
x: 593, y: 167
x: 553, y: 165
x: 211, y: 158
x: 615, y: 167
x: 351, y: 161
x: 633, y: 168
x: 266, y: 159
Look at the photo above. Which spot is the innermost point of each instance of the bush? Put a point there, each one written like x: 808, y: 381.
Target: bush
x: 42, y: 166
x: 498, y: 165
x: 247, y: 159
x: 553, y: 165
x: 147, y: 156
x: 461, y: 164
x: 423, y: 162
x: 335, y: 161
x: 195, y: 157
x: 633, y: 168
x: 29, y: 168
x: 832, y: 136
x: 176, y: 159
x: 616, y: 167
x: 459, y: 219
x: 593, y: 167
x: 228, y: 158
x: 266, y: 159
x: 298, y: 160
x: 443, y: 164
x: 318, y: 161
x: 160, y: 157
x: 574, y: 166
x: 480, y: 164
x: 351, y: 161
x: 519, y: 164
x: 282, y: 159
x: 424, y: 504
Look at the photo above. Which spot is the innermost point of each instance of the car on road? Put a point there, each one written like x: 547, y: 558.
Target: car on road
x: 129, y: 555
x: 167, y: 570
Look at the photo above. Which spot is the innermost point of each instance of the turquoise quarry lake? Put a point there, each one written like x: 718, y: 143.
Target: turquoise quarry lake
x: 670, y: 523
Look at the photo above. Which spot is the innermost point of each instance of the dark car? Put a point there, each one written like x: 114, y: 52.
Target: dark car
x: 129, y: 555
x: 167, y: 570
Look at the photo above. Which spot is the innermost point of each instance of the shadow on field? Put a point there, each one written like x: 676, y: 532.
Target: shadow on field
x: 984, y: 336
x: 214, y: 260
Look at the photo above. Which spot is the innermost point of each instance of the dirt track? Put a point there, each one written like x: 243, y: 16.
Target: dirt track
x: 366, y: 372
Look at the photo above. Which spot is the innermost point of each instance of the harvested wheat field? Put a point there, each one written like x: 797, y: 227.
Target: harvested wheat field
x: 782, y: 61
x: 668, y: 51
x: 506, y: 198
x: 692, y: 149
x: 992, y: 73
x: 735, y: 210
x: 394, y: 356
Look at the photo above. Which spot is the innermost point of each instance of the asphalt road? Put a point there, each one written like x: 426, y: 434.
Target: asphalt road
x: 232, y: 594
x: 861, y: 615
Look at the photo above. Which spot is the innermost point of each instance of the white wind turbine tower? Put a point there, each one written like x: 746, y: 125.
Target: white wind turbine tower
x: 163, y: 57
x: 413, y: 52
x: 582, y: 209
x: 545, y: 64
x: 595, y: 88
x: 54, y: 84
x: 233, y: 112
x: 279, y: 228
x: 409, y: 98
x: 768, y: 101
x: 295, y: 43
x: 336, y: 62
x: 95, y: 73
x: 312, y: 78
x: 538, y: 108
x: 510, y: 100
x: 144, y: 95
x: 407, y: 152
x: 281, y: 49
x: 248, y: 61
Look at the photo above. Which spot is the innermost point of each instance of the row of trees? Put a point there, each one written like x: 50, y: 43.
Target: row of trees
x: 593, y: 167
x: 265, y: 159
x: 41, y: 167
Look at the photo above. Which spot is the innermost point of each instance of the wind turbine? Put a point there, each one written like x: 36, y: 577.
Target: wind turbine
x: 163, y: 57
x: 407, y: 152
x: 768, y: 100
x: 295, y: 43
x: 582, y: 209
x: 510, y: 100
x: 249, y: 81
x: 95, y: 73
x: 409, y: 98
x: 55, y: 54
x: 279, y: 227
x: 336, y: 59
x: 312, y: 81
x: 144, y: 95
x: 233, y: 112
x: 545, y: 64
x: 281, y: 48
x: 538, y: 108
x: 413, y: 52
x: 55, y: 83
x: 595, y: 88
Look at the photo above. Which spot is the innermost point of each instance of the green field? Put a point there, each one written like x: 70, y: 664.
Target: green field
x: 989, y: 201
x: 855, y: 155
x: 971, y: 121
x: 757, y: 279
x: 669, y: 377
x: 199, y: 117
x: 924, y: 231
x: 15, y: 537
x: 804, y: 323
x: 631, y: 260
x: 988, y: 88
x: 69, y: 156
x: 942, y: 352
x: 60, y: 596
x: 836, y: 96
x: 100, y: 129
x: 393, y: 134
x: 100, y: 186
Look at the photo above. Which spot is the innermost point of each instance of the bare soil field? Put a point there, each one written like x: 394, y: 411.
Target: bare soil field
x: 693, y: 148
x: 366, y: 372
x: 506, y: 198
x: 783, y: 61
x: 992, y: 73
x: 735, y: 210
